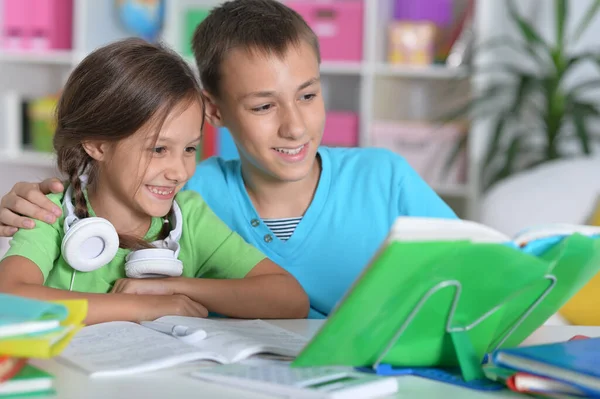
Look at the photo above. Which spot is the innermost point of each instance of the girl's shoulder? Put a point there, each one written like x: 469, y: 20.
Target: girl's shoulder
x: 188, y: 198
x: 57, y: 198
x: 191, y: 204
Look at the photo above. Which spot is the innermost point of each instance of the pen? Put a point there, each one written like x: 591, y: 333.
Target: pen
x: 176, y: 330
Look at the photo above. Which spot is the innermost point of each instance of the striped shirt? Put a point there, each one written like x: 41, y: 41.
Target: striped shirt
x: 283, y: 228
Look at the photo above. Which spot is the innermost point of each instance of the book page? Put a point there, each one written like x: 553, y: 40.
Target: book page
x: 407, y: 228
x: 119, y: 348
x: 238, y: 339
x: 553, y: 230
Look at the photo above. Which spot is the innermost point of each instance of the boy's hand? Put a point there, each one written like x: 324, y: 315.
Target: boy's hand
x: 170, y: 305
x: 144, y: 286
x: 28, y: 200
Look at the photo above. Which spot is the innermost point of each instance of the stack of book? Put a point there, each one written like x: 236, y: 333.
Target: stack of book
x: 31, y: 329
x: 564, y: 369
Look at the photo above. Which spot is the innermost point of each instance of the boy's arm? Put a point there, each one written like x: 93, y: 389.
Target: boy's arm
x: 28, y: 200
x: 267, y: 292
x: 20, y: 276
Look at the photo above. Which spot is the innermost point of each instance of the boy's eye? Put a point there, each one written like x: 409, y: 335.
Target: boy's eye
x: 308, y: 97
x: 191, y: 149
x: 262, y: 108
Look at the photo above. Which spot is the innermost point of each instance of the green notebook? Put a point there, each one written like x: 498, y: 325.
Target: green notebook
x: 481, y: 268
x: 29, y: 381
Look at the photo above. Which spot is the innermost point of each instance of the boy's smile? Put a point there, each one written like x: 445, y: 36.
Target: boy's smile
x: 274, y: 108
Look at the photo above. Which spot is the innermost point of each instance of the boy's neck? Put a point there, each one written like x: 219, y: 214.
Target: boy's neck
x: 124, y: 220
x: 274, y: 199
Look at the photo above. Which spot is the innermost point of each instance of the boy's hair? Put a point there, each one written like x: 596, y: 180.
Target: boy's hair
x: 116, y: 90
x: 255, y: 25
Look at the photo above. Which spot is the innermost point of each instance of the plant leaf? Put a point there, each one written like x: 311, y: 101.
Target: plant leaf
x: 561, y: 11
x: 587, y: 18
x: 500, y: 67
x: 497, y: 42
x: 525, y: 85
x: 489, y: 95
x: 585, y: 108
x: 509, y: 159
x: 582, y: 86
x: 493, y: 144
x: 527, y: 30
x: 576, y: 59
x: 580, y: 130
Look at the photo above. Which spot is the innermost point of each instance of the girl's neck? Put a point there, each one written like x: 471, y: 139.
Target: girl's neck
x: 280, y: 199
x: 108, y: 206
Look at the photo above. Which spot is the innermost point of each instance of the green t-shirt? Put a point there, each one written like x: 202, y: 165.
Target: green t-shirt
x: 209, y: 249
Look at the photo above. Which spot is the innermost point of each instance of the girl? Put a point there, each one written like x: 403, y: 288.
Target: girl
x: 128, y: 125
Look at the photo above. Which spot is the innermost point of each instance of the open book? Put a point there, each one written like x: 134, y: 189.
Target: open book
x: 122, y: 348
x: 432, y: 229
x: 447, y: 292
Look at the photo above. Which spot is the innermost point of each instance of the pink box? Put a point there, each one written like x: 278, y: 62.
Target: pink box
x: 37, y: 24
x: 338, y: 25
x: 426, y: 147
x: 14, y: 24
x: 51, y: 23
x: 341, y: 129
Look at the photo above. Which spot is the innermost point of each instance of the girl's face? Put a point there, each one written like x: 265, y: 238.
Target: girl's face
x: 145, y: 173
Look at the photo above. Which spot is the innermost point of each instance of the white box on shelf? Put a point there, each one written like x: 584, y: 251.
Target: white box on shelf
x: 426, y: 147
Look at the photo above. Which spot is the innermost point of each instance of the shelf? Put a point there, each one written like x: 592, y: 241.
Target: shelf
x: 42, y: 58
x: 28, y: 158
x: 421, y: 72
x: 341, y: 68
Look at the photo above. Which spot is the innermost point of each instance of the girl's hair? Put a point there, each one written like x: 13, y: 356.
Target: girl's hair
x: 111, y: 94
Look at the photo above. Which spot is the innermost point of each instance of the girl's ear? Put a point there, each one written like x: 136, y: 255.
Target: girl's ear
x: 212, y: 111
x: 98, y: 150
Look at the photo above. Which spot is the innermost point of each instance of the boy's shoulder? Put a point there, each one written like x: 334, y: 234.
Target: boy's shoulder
x: 212, y: 172
x: 360, y: 160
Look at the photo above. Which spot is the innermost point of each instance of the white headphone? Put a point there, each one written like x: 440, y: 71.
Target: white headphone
x: 93, y: 242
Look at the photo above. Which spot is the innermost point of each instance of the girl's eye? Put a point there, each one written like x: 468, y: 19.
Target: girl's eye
x: 191, y: 149
x: 262, y: 108
x: 159, y: 150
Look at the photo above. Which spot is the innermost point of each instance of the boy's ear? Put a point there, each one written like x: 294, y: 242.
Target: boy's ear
x: 96, y: 149
x: 212, y: 111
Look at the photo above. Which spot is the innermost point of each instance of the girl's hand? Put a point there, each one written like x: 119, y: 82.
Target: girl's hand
x: 145, y: 286
x: 169, y: 305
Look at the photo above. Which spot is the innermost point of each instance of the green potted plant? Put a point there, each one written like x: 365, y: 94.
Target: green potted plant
x: 533, y: 113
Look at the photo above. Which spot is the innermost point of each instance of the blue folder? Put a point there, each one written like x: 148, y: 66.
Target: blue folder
x: 15, y: 309
x: 574, y: 362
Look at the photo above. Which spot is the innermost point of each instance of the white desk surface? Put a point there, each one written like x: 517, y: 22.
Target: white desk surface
x: 176, y: 383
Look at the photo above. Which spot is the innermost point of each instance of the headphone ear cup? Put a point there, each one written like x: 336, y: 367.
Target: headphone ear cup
x: 90, y: 244
x: 153, y: 262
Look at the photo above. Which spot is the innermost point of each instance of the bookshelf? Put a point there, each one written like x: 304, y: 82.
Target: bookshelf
x: 371, y: 88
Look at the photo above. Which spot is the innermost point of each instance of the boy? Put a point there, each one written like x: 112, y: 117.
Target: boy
x: 320, y: 213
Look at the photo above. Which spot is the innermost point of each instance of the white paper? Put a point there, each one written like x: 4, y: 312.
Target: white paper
x: 239, y: 339
x: 119, y: 348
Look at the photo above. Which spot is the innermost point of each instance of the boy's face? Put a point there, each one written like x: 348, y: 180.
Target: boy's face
x: 274, y: 110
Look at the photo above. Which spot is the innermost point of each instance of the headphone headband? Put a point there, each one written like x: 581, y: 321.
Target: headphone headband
x: 93, y: 242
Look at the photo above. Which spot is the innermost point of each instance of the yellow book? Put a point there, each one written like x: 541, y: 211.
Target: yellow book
x: 46, y: 345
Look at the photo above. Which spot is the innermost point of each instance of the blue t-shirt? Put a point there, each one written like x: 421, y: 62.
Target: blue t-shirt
x: 361, y: 192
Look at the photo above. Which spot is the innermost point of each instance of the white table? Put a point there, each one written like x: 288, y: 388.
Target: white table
x: 176, y: 383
